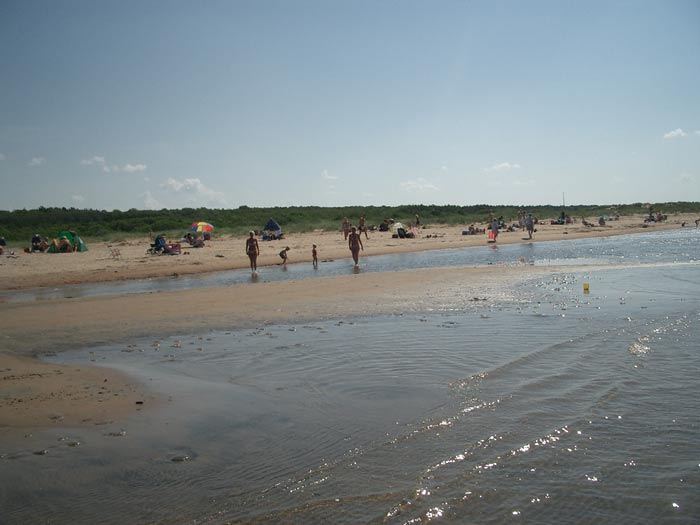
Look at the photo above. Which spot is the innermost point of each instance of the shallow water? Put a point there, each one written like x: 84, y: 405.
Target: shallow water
x: 556, y: 407
x: 653, y: 247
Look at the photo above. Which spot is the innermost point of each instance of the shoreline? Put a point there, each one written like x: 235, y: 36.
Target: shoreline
x: 36, y: 394
x: 127, y: 260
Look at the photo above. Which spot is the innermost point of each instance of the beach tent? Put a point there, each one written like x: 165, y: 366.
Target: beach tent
x: 74, y: 240
x: 273, y: 226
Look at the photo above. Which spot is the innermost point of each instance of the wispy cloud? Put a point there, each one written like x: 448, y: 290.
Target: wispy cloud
x: 149, y: 201
x: 687, y: 178
x: 327, y: 176
x: 37, y: 161
x: 2, y: 156
x: 675, y: 134
x: 618, y: 179
x: 196, y: 188
x: 77, y: 198
x: 503, y: 166
x: 93, y: 160
x: 102, y: 163
x: 419, y: 185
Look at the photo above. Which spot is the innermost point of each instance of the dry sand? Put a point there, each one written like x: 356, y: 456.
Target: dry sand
x: 128, y: 259
x: 34, y: 393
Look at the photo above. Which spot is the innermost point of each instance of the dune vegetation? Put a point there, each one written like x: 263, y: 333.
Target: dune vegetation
x: 20, y: 225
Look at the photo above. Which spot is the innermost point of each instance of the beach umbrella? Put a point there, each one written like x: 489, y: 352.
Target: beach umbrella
x: 201, y: 227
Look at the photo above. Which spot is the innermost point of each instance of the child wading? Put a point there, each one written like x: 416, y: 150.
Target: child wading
x: 283, y: 254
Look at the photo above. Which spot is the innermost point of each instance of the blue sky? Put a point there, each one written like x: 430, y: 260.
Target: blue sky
x: 146, y: 104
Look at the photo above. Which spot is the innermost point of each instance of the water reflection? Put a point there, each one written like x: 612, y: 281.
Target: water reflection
x: 471, y: 414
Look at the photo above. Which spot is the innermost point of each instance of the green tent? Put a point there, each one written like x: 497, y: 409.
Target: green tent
x: 74, y: 240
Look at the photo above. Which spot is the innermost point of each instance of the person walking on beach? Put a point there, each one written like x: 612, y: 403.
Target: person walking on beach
x: 494, y: 229
x: 529, y: 225
x: 314, y: 256
x: 355, y: 244
x: 283, y: 255
x: 252, y: 249
x: 363, y: 227
x: 346, y: 228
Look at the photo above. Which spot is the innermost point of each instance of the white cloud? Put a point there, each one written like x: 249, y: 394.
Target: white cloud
x: 195, y: 188
x: 150, y: 202
x: 37, y: 161
x: 327, y: 176
x: 174, y: 185
x: 77, y: 198
x: 2, y: 156
x: 503, y: 166
x: 133, y: 168
x: 419, y: 185
x: 675, y: 133
x: 113, y: 168
x: 94, y: 160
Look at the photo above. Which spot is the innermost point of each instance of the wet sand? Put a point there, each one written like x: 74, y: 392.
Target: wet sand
x: 33, y: 393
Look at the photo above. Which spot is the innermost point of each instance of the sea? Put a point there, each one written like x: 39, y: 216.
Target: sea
x: 574, y: 398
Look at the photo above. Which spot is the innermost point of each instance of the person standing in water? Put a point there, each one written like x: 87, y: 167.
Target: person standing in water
x: 314, y: 256
x: 252, y: 249
x: 494, y: 229
x: 529, y: 224
x: 355, y: 244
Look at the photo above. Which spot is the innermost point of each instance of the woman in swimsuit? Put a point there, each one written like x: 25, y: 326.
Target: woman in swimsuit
x: 253, y: 250
x: 355, y: 244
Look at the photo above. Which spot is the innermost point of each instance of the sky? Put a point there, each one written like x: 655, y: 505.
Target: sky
x: 145, y: 104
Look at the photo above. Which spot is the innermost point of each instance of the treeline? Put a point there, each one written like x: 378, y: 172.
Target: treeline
x: 20, y: 225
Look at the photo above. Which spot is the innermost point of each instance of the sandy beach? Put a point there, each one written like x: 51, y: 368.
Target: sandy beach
x: 36, y: 394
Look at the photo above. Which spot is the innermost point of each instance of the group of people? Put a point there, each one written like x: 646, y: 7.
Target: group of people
x: 252, y: 250
x: 346, y: 227
x: 526, y: 222
x: 39, y: 243
x: 195, y: 241
x: 61, y: 244
x: 353, y: 235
